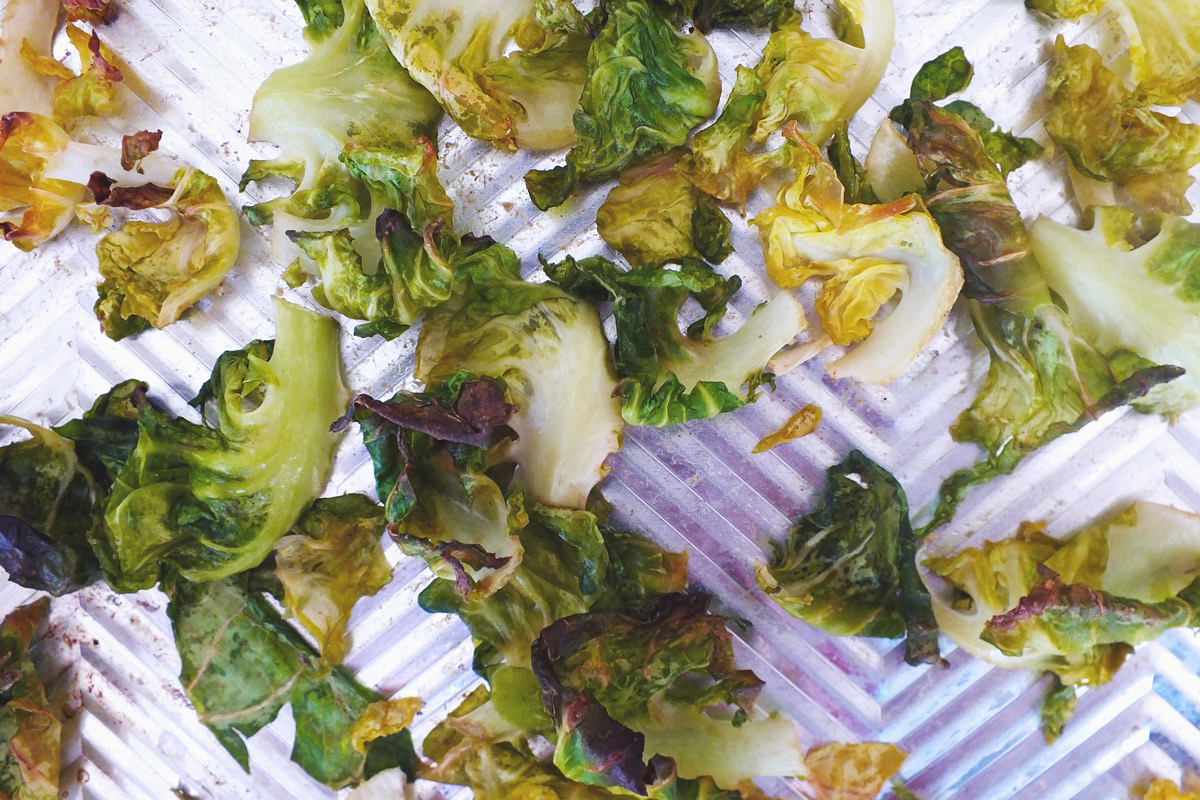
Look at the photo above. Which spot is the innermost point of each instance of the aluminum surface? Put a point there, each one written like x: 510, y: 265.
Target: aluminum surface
x: 972, y: 730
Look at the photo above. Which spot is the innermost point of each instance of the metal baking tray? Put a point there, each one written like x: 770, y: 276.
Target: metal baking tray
x: 971, y: 730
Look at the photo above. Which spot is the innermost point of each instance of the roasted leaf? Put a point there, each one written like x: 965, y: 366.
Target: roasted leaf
x: 667, y: 377
x: 238, y: 687
x: 30, y: 732
x: 647, y: 86
x: 802, y: 423
x: 438, y: 500
x: 625, y: 685
x: 507, y: 71
x: 708, y: 15
x: 93, y: 12
x: 817, y: 84
x: 550, y: 351
x: 1044, y: 380
x: 1139, y: 299
x: 360, y: 150
x: 655, y: 216
x: 863, y: 255
x: 850, y: 566
x: 950, y: 73
x: 1111, y: 135
x: 210, y: 500
x: 852, y: 771
x: 330, y: 561
x: 51, y: 506
x: 157, y: 270
x: 1073, y: 607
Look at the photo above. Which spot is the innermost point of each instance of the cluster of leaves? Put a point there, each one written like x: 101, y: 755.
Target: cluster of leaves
x: 152, y: 271
x: 1044, y: 378
x: 366, y: 214
x: 1074, y: 607
x: 592, y: 644
x: 582, y: 631
x: 217, y: 513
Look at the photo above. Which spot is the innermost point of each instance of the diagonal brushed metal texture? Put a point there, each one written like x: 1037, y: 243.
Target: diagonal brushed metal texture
x: 972, y: 730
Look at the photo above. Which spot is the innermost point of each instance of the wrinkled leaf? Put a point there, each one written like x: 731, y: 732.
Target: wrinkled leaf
x: 850, y: 566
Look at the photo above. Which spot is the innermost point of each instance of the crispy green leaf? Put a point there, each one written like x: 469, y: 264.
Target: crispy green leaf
x: 849, y: 170
x: 850, y: 566
x: 937, y: 79
x: 472, y: 747
x: 1139, y: 299
x: 241, y: 663
x: 107, y: 433
x: 863, y: 255
x: 655, y: 216
x: 949, y: 74
x: 817, y: 84
x: 1058, y: 706
x: 572, y: 564
x: 1073, y: 607
x: 647, y: 86
x: 157, y: 270
x: 211, y: 500
x: 1007, y: 150
x: 1076, y: 618
x: 550, y: 351
x: 362, y: 147
x: 507, y: 71
x: 708, y: 15
x: 632, y: 692
x: 669, y: 377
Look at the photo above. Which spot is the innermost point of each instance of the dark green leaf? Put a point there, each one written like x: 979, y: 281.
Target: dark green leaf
x: 647, y: 87
x: 50, y: 509
x: 710, y: 230
x: 241, y: 663
x: 849, y: 170
x: 850, y: 566
x: 550, y: 188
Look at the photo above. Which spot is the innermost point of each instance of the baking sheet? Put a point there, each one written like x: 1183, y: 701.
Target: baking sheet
x: 972, y: 730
